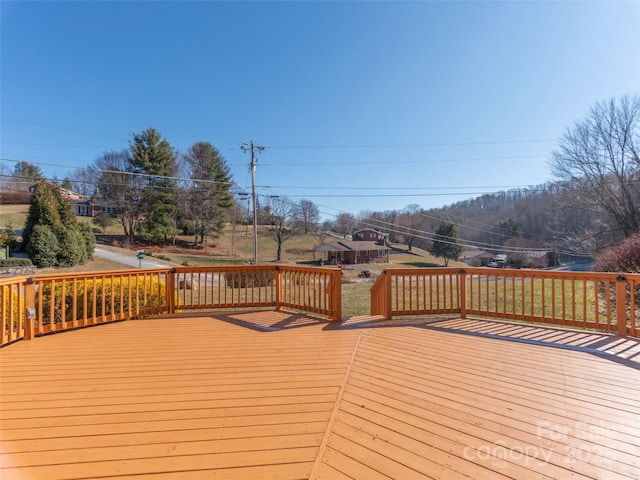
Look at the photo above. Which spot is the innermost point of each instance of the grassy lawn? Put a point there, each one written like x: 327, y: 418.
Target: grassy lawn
x: 235, y: 247
x: 537, y: 297
x: 14, y: 215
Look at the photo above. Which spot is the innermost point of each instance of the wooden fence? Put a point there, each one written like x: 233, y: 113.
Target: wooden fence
x: 44, y: 304
x: 602, y: 301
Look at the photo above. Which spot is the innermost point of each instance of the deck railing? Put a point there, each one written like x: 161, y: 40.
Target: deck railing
x: 601, y: 301
x: 42, y: 304
x: 315, y: 290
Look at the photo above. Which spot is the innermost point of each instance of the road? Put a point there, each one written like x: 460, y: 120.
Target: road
x: 129, y: 259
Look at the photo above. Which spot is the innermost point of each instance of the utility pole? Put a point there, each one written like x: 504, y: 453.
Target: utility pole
x: 252, y: 147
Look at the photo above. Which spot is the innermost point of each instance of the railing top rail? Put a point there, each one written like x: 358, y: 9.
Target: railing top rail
x: 14, y: 280
x: 225, y: 268
x: 511, y: 272
x: 508, y: 272
x: 560, y: 274
x: 422, y: 270
x: 302, y: 268
x: 234, y: 268
x: 103, y: 273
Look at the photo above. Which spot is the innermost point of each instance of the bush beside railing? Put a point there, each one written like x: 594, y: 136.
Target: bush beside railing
x: 12, y: 309
x: 70, y: 301
x: 601, y: 301
x: 52, y: 303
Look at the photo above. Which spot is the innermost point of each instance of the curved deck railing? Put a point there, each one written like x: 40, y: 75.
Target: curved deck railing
x: 42, y: 304
x: 602, y: 301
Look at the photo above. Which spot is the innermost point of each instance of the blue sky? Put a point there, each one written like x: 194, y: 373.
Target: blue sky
x: 360, y: 105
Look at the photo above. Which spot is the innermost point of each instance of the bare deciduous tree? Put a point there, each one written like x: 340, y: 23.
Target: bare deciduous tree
x: 344, y: 223
x: 307, y: 216
x: 410, y: 223
x: 280, y: 228
x: 598, y: 160
x: 120, y: 188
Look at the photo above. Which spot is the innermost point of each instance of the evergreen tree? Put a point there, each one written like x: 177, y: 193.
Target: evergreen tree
x: 89, y: 239
x: 51, y: 232
x: 72, y: 247
x: 43, y: 247
x: 446, y: 242
x: 209, y: 199
x: 153, y: 156
x: 25, y: 175
x: 44, y: 209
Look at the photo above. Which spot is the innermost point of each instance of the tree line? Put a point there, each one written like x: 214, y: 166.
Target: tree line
x: 593, y: 204
x: 157, y: 193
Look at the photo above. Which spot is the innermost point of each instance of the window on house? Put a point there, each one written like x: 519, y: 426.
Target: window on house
x: 381, y: 253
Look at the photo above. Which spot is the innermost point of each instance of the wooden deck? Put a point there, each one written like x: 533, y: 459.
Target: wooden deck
x: 275, y: 395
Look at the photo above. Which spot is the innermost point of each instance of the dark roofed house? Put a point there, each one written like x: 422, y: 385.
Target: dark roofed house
x: 368, y: 246
x: 93, y: 208
x: 476, y: 258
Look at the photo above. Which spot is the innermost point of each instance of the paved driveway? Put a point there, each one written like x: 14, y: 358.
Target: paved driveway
x: 129, y: 259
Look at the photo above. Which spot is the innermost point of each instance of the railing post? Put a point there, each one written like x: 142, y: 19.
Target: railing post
x: 621, y: 305
x: 278, y: 287
x: 29, y: 308
x: 171, y: 291
x: 462, y: 292
x: 335, y: 296
x: 388, y: 315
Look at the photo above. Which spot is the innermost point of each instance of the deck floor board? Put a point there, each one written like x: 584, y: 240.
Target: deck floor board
x: 279, y: 395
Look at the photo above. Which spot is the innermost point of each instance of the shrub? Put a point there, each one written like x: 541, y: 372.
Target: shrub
x: 16, y: 262
x: 103, y: 221
x: 43, y: 247
x: 9, y: 307
x: 137, y: 293
x: 72, y: 248
x: 89, y: 239
x: 15, y: 198
x: 7, y: 236
x: 624, y: 257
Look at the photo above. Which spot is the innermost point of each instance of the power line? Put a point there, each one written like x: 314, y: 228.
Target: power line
x: 378, y: 195
x: 459, y: 224
x: 395, y: 161
x: 408, y: 145
x: 58, y: 128
x: 433, y: 236
x: 312, y: 187
x: 298, y: 187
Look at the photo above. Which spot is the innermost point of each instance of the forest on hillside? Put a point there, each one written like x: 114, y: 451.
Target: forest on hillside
x: 536, y: 218
x: 593, y: 205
